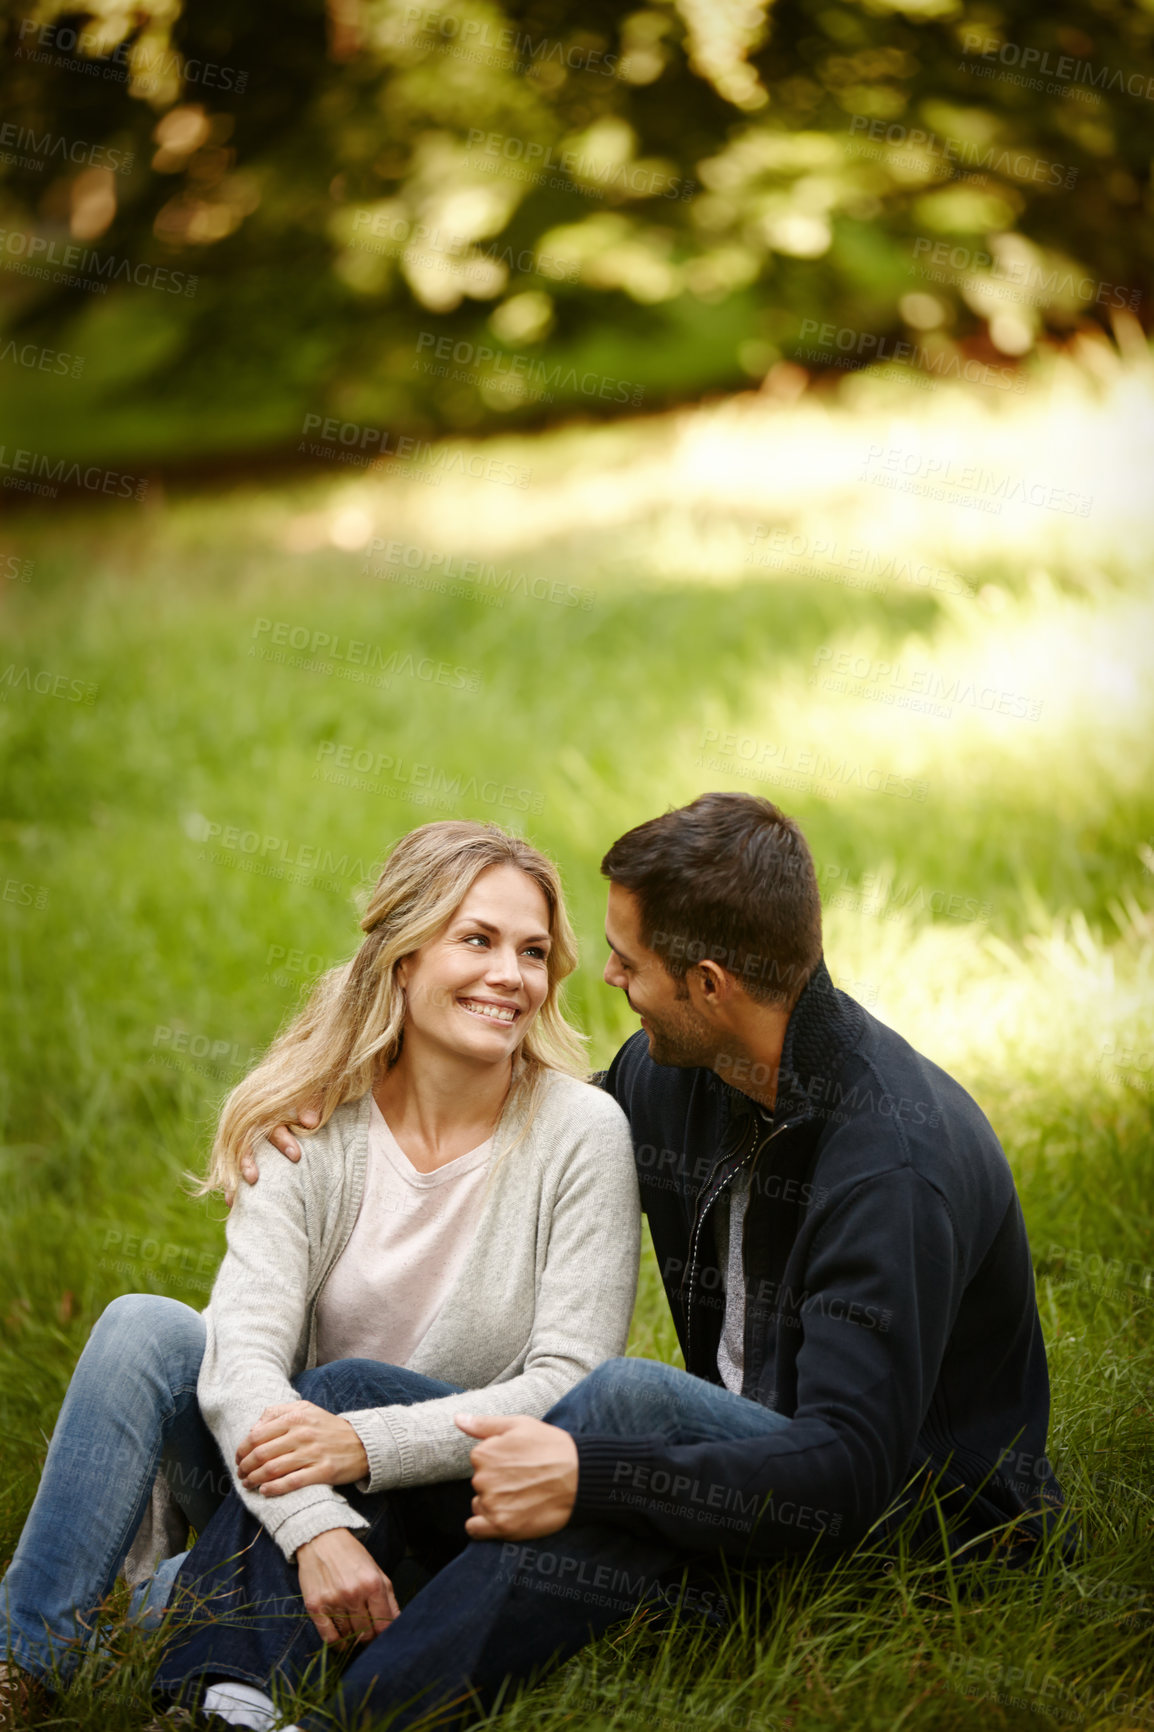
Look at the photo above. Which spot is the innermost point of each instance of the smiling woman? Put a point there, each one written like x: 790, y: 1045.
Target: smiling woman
x: 451, y: 894
x: 460, y: 1235
x: 471, y: 996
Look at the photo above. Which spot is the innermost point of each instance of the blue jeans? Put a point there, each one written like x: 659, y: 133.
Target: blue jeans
x: 494, y: 1615
x: 130, y: 1410
x: 249, y: 1622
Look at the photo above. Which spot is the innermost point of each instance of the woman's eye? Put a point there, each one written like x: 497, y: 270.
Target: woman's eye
x: 477, y: 938
x: 536, y: 950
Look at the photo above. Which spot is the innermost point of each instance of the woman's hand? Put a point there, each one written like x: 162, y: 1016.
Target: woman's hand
x: 346, y: 1594
x: 295, y: 1444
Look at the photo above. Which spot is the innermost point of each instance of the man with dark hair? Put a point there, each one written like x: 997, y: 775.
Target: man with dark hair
x: 845, y: 1258
x: 728, y: 879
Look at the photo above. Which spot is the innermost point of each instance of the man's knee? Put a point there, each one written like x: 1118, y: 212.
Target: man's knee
x: 344, y: 1385
x: 611, y: 1396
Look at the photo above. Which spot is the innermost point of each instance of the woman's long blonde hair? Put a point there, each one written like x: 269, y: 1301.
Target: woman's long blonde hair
x: 350, y: 1031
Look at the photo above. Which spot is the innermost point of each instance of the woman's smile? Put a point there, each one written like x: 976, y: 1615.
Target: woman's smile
x: 490, y: 1009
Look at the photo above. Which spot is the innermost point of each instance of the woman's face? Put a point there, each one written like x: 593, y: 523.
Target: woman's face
x: 475, y: 988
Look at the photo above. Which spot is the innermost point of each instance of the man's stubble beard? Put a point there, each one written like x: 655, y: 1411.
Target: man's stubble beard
x: 684, y: 1044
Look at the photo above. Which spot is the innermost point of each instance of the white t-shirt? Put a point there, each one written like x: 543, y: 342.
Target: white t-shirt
x: 411, y: 1236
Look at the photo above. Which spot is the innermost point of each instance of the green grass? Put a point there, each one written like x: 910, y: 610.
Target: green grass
x: 996, y: 904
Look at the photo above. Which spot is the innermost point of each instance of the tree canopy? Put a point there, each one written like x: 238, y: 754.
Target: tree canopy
x: 236, y: 215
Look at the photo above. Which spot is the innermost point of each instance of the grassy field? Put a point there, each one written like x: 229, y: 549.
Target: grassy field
x: 920, y: 621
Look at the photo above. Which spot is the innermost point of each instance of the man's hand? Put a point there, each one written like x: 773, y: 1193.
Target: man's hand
x: 295, y: 1444
x: 524, y: 1476
x: 281, y: 1138
x: 346, y: 1594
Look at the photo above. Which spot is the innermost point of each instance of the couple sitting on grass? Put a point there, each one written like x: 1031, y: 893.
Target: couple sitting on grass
x: 437, y: 1282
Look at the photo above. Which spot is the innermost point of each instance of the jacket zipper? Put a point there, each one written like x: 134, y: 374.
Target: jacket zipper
x: 758, y: 1144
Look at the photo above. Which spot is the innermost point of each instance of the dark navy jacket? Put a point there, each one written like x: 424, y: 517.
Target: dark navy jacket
x: 890, y: 1309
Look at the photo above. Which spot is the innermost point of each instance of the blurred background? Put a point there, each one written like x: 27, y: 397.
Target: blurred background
x: 543, y: 414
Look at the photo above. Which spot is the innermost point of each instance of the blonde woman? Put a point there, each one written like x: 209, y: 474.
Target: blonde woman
x: 461, y: 1234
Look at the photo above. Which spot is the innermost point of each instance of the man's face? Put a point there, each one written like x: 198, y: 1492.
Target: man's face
x: 678, y: 1035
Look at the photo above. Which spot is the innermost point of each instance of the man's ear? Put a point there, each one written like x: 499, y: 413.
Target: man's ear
x: 710, y: 986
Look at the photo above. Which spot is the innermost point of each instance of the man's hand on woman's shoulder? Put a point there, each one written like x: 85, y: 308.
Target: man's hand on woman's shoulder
x: 281, y: 1138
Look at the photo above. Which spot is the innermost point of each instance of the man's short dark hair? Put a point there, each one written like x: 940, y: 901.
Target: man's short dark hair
x: 731, y: 878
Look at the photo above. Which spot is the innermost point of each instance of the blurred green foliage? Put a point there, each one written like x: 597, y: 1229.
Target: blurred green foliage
x: 444, y: 217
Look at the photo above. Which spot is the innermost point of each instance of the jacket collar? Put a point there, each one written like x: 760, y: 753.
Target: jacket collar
x: 823, y: 1026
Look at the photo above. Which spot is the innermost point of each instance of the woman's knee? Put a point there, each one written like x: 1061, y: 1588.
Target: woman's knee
x: 151, y: 1332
